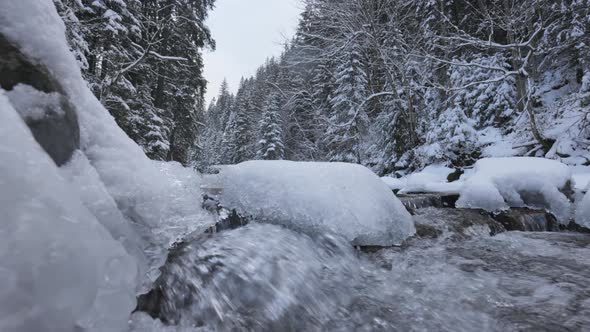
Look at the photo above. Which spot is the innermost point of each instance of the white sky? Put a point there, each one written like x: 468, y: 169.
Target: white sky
x: 246, y: 32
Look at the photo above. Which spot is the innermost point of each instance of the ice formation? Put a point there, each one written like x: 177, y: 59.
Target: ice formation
x: 346, y: 199
x: 76, y: 242
x: 59, y: 267
x: 500, y: 183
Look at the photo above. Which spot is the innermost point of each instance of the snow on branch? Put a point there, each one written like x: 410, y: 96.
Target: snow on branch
x: 166, y: 57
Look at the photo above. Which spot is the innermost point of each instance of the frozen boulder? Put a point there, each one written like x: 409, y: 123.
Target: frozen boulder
x: 500, y: 183
x: 346, y: 199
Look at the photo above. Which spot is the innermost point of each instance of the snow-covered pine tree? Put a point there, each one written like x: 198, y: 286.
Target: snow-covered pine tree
x: 145, y: 66
x: 240, y: 129
x: 228, y: 147
x: 301, y: 129
x: 76, y: 32
x: 478, y: 100
x: 347, y: 116
x: 223, y: 106
x: 487, y: 103
x: 270, y: 144
x: 217, y: 120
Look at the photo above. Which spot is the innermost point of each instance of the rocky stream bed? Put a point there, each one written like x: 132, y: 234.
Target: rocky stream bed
x: 465, y: 270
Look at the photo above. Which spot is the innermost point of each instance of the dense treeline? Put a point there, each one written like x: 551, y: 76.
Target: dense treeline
x: 397, y: 85
x: 142, y: 59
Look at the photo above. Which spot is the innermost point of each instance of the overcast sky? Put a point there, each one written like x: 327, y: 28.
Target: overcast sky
x: 246, y: 33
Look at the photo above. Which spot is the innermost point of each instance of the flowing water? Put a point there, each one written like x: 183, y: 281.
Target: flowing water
x: 268, y: 278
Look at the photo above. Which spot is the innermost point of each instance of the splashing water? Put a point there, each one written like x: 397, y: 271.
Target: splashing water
x: 268, y: 278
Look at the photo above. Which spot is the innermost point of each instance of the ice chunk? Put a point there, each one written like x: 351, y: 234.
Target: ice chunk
x: 86, y: 184
x: 346, y: 199
x: 59, y: 267
x: 500, y: 183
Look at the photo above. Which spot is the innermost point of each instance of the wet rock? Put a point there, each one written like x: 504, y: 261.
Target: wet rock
x: 226, y: 219
x: 56, y: 131
x: 427, y: 231
x: 415, y: 201
x: 16, y: 69
x: 455, y: 223
x: 568, y: 190
x: 527, y: 220
x: 573, y: 227
x: 456, y: 175
x: 229, y: 220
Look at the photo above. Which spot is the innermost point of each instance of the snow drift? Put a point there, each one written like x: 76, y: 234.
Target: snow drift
x: 500, y: 183
x: 346, y: 199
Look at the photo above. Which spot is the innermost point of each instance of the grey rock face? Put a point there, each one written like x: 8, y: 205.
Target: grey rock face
x: 57, y: 131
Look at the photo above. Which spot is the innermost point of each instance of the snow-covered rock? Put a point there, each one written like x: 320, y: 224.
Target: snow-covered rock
x: 59, y: 267
x: 499, y: 183
x: 346, y: 199
x: 432, y: 178
x: 75, y: 242
x: 39, y: 100
x: 147, y: 193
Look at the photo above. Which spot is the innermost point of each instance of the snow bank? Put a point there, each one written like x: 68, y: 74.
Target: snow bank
x: 59, y: 267
x: 500, y: 183
x: 343, y: 198
x: 433, y: 178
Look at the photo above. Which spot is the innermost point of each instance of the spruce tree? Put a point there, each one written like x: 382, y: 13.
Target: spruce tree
x: 270, y: 145
x: 145, y: 65
x: 348, y: 118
